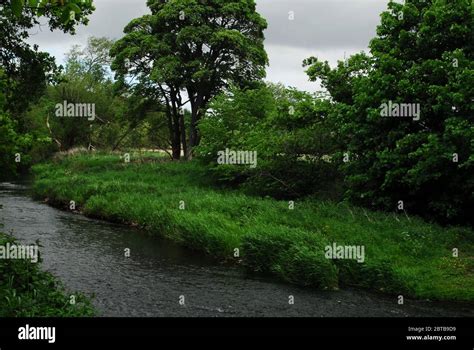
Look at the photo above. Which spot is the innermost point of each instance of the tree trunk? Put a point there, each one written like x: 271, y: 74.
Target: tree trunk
x: 173, y: 129
x: 176, y: 136
x: 183, y: 134
x: 194, y: 137
x: 129, y: 130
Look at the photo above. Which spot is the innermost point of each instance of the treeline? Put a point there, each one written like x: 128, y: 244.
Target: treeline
x: 25, y: 74
x: 347, y: 145
x: 393, y: 130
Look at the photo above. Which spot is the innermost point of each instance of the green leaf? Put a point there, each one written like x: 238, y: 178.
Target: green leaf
x: 33, y: 3
x: 17, y: 6
x: 65, y: 16
x: 75, y: 8
x: 43, y: 3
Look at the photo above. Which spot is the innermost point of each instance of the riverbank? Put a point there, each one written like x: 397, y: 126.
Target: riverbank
x: 27, y: 291
x: 402, y: 255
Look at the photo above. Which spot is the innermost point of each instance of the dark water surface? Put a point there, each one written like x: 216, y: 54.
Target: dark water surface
x: 88, y: 256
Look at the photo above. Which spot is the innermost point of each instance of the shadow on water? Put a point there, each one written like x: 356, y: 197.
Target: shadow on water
x: 88, y: 256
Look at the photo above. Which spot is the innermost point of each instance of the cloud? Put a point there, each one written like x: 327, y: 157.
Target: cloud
x: 108, y: 20
x: 321, y: 24
x: 323, y: 28
x: 286, y: 64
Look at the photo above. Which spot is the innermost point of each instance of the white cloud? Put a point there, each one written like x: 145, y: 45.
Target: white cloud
x: 286, y: 64
x: 322, y: 28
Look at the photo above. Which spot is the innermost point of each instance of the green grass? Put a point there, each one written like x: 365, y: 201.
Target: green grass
x: 27, y: 291
x: 403, y: 255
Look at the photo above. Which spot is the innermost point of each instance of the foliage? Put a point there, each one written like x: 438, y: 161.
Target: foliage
x: 189, y: 50
x: 423, y: 54
x: 27, y: 69
x: 118, y: 121
x: 286, y: 128
x: 402, y: 254
x: 61, y: 14
x: 26, y: 291
x: 12, y: 143
x: 25, y: 72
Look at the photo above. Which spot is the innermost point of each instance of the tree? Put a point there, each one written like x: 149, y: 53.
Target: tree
x: 85, y: 80
x: 422, y: 56
x: 92, y: 62
x: 24, y: 71
x: 28, y: 70
x: 61, y: 14
x: 286, y: 129
x: 118, y: 121
x: 8, y: 135
x: 187, y: 51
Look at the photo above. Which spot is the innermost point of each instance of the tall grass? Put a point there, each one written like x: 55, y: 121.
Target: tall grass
x: 404, y: 255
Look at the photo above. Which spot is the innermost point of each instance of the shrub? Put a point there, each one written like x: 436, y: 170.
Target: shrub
x: 26, y: 291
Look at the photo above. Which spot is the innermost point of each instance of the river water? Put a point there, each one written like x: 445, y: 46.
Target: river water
x: 88, y: 256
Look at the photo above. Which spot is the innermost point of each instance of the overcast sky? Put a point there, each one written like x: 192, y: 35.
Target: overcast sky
x: 327, y: 29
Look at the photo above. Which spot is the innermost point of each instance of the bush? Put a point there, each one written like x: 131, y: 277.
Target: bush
x: 423, y: 54
x: 26, y: 291
x: 288, y: 131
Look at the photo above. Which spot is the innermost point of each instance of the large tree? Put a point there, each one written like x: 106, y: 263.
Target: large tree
x: 187, y: 51
x: 423, y: 54
x: 27, y: 70
x: 86, y: 79
x: 24, y: 71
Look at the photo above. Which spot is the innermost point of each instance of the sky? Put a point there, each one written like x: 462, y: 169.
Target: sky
x: 297, y: 29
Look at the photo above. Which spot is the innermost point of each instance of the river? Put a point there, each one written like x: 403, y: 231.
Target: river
x: 88, y: 256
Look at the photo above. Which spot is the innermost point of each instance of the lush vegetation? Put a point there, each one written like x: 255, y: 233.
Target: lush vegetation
x: 186, y: 52
x: 25, y: 73
x: 27, y: 291
x: 177, y: 200
x: 287, y: 130
x: 186, y: 79
x: 342, y: 146
x: 423, y: 54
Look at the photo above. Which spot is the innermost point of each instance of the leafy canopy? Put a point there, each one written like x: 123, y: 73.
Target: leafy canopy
x: 423, y: 54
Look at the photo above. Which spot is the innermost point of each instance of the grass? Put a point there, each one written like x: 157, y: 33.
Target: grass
x: 27, y: 291
x: 403, y: 255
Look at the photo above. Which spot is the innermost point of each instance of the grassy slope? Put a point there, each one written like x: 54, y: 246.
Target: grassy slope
x: 26, y: 291
x: 403, y: 255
